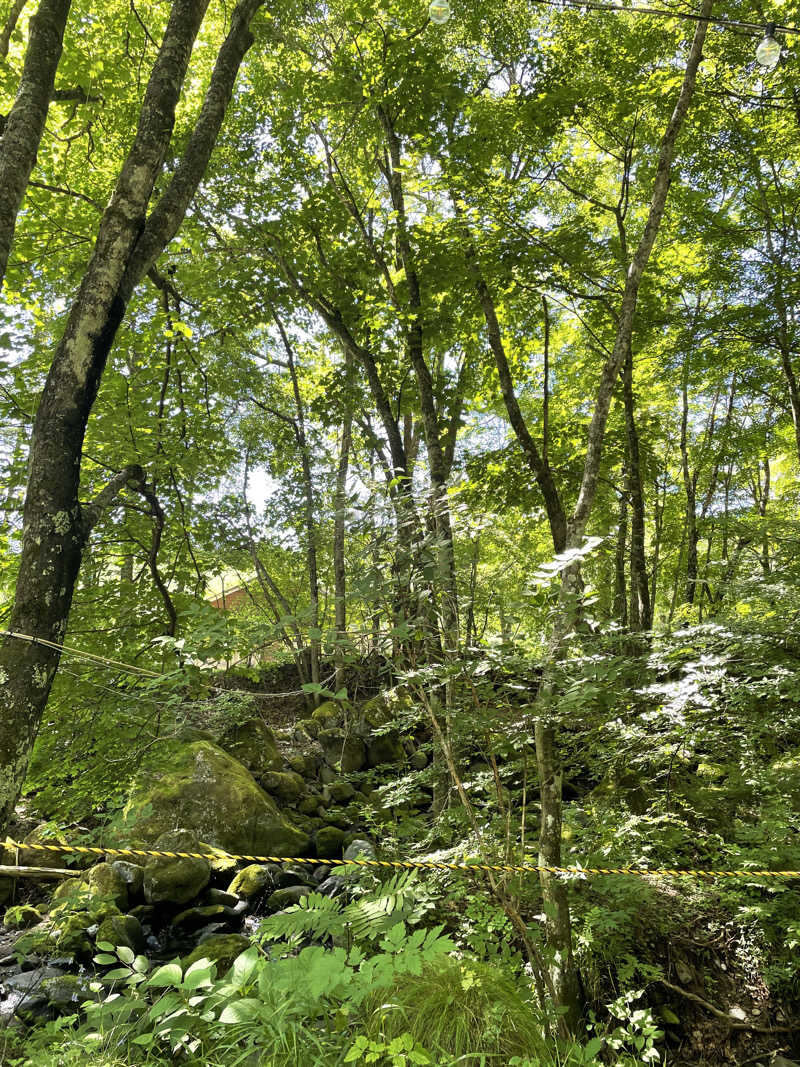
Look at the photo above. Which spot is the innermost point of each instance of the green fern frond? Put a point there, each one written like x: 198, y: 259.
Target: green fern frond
x: 314, y: 914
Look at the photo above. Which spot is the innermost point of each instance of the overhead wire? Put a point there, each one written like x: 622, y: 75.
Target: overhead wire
x: 660, y: 12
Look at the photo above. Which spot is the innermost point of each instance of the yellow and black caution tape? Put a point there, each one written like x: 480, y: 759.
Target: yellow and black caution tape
x: 403, y: 865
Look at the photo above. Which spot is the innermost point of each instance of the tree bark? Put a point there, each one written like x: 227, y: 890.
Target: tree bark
x: 24, y: 126
x: 641, y: 617
x: 127, y: 245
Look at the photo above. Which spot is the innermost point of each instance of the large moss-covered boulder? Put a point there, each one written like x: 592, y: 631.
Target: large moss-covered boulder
x: 201, y: 788
x: 253, y: 744
x: 179, y: 880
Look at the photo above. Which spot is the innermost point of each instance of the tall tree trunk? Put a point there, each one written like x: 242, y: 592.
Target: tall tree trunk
x: 56, y: 525
x: 642, y: 617
x: 339, y: 530
x: 25, y: 123
x: 620, y: 608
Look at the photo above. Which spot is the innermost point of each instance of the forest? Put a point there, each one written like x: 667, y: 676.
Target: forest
x: 399, y: 545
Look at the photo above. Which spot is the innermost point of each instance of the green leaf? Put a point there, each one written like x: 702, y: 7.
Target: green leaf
x: 126, y: 954
x: 169, y: 974
x: 241, y: 1011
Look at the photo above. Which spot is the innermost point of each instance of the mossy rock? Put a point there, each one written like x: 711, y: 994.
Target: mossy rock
x: 385, y: 748
x: 287, y: 786
x: 253, y: 744
x: 221, y: 949
x: 330, y: 842
x: 21, y: 917
x: 252, y: 880
x: 390, y: 706
x: 64, y: 936
x: 103, y: 881
x: 194, y: 918
x: 176, y: 881
x: 285, y: 898
x: 339, y: 792
x: 311, y: 727
x: 132, y: 874
x: 308, y: 805
x: 344, y: 751
x: 328, y: 712
x: 122, y: 930
x: 66, y: 992
x: 43, y: 835
x: 201, y: 788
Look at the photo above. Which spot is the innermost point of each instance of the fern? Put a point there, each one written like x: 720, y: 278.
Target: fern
x: 364, y: 919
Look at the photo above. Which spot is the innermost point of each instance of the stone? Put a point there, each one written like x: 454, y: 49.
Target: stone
x: 253, y: 744
x: 419, y: 760
x: 21, y: 916
x: 122, y: 930
x: 43, y: 835
x: 308, y: 805
x: 332, y: 886
x: 64, y: 936
x: 343, y: 750
x: 253, y: 880
x: 328, y: 712
x: 360, y: 849
x: 194, y: 918
x: 131, y: 874
x: 327, y: 774
x: 294, y: 874
x: 67, y: 992
x: 176, y: 881
x: 145, y: 913
x: 221, y: 949
x: 341, y: 792
x: 287, y: 786
x: 103, y: 881
x: 354, y: 754
x: 385, y: 748
x: 203, y: 789
x: 284, y: 898
x: 219, y: 896
x: 389, y: 706
x: 311, y: 727
x: 329, y: 841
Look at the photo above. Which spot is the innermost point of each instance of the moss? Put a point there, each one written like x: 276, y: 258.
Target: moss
x: 254, y: 745
x: 251, y: 881
x: 201, y: 788
x: 285, y: 785
x: 175, y: 880
x: 122, y: 930
x: 330, y: 841
x: 221, y: 949
x: 104, y: 881
x: 327, y: 712
x: 21, y: 916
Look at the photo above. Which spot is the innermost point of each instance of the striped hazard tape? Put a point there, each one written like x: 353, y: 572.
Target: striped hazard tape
x: 404, y: 865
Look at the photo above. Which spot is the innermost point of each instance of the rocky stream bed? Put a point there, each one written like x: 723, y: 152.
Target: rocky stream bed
x: 299, y: 791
